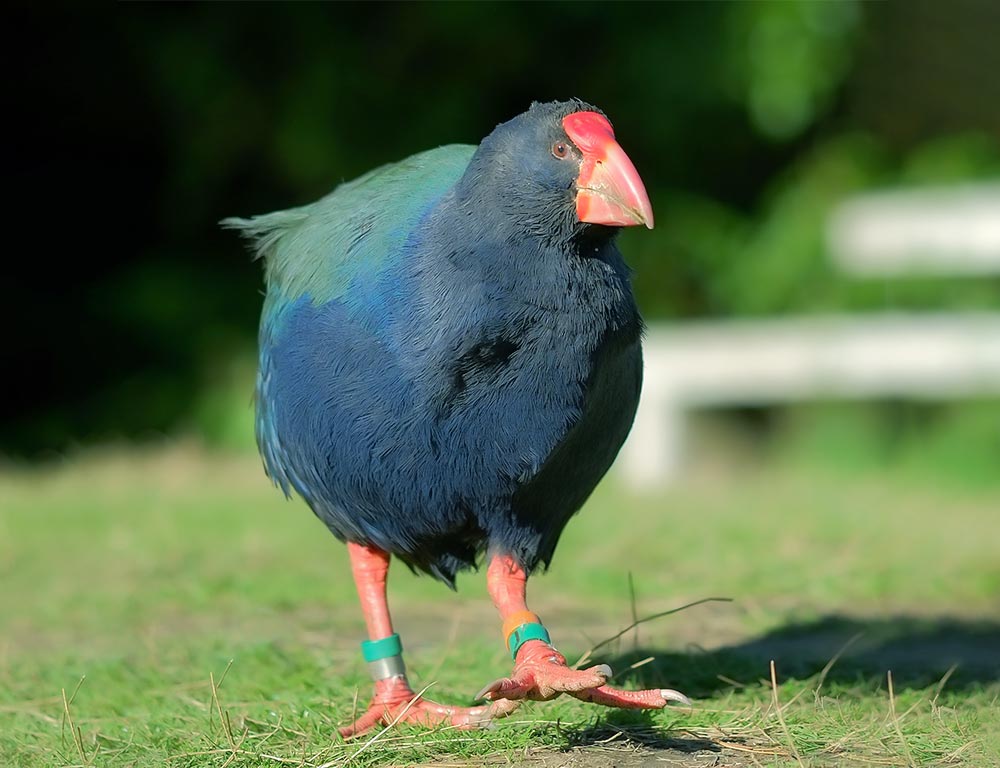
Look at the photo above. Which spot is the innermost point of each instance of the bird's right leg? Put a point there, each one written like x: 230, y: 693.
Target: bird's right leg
x: 540, y: 671
x: 394, y: 700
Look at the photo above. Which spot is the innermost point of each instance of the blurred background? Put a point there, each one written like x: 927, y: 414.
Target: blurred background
x: 780, y: 142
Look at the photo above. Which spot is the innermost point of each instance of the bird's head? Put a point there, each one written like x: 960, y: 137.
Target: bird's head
x: 557, y: 169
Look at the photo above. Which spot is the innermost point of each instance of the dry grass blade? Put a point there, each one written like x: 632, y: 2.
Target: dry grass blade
x: 873, y: 760
x: 635, y: 613
x: 66, y: 705
x: 277, y: 726
x: 224, y: 720
x: 25, y: 705
x: 836, y: 657
x: 225, y: 672
x: 731, y: 681
x: 590, y: 651
x: 74, y: 729
x: 750, y: 749
x: 781, y: 717
x: 218, y: 708
x: 449, y: 647
x: 636, y: 665
x: 895, y: 722
x: 942, y: 683
x: 953, y: 757
x: 243, y: 752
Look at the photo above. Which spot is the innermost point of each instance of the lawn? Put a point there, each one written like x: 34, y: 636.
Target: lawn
x: 167, y: 607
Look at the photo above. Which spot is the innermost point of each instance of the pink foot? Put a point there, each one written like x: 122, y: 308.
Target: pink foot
x: 541, y: 673
x: 395, y: 702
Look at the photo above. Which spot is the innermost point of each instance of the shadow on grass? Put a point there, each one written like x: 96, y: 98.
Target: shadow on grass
x: 918, y: 651
x: 637, y: 728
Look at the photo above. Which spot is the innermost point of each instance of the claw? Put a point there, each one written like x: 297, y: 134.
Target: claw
x: 496, y: 685
x: 669, y: 694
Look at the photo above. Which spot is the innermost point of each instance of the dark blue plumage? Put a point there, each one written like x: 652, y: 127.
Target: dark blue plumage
x: 449, y: 358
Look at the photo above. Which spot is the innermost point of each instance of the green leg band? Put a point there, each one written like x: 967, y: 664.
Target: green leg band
x: 523, y: 634
x: 373, y: 650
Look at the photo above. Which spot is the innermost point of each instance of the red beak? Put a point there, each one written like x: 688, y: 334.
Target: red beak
x: 609, y: 190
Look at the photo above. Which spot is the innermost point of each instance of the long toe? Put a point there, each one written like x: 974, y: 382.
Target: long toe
x: 468, y: 717
x: 656, y: 698
x: 419, y: 711
x: 375, y: 715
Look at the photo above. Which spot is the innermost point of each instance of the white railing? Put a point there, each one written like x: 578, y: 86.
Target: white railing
x: 919, y: 356
x: 712, y: 364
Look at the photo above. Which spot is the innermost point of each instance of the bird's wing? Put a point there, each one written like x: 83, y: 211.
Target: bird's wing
x: 322, y: 256
x: 321, y: 249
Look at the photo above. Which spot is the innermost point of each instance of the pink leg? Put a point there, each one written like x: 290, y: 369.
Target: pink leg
x: 394, y: 700
x: 540, y: 671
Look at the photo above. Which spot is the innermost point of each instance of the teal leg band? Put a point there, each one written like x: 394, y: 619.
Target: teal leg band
x: 523, y: 634
x: 373, y: 650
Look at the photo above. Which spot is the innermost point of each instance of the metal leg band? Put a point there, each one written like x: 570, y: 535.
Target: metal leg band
x: 390, y: 666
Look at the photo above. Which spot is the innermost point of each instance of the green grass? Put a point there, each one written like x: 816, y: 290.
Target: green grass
x: 147, y: 574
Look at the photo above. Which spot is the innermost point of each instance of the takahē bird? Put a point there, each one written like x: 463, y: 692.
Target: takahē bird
x: 449, y: 362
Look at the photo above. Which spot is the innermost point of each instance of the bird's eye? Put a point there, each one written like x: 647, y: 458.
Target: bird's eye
x: 560, y: 150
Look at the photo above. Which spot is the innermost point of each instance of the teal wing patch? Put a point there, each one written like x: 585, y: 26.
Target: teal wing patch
x: 320, y: 249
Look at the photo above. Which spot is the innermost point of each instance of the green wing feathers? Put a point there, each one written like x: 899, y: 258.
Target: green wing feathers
x: 320, y: 249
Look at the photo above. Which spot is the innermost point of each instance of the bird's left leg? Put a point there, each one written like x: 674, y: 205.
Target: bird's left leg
x: 540, y: 671
x: 394, y: 700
